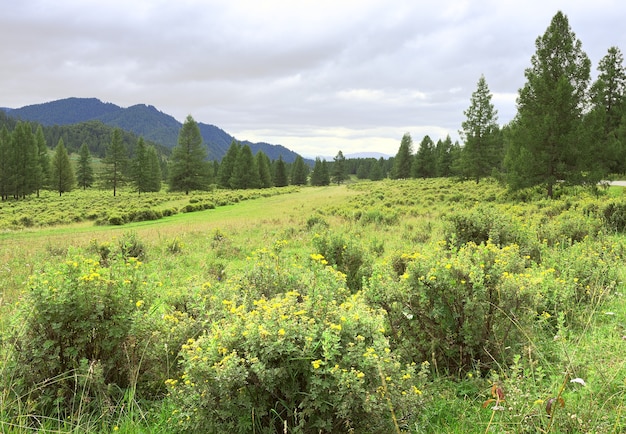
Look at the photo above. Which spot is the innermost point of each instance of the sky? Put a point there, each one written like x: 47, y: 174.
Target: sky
x: 316, y: 76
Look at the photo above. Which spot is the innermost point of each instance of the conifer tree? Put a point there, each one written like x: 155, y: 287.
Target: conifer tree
x: 42, y: 173
x: 483, y: 150
x: 188, y: 169
x: 84, y: 169
x: 115, y: 161
x: 5, y: 144
x: 245, y: 172
x: 376, y: 171
x: 319, y: 175
x: 62, y: 172
x: 547, y: 136
x: 339, y: 168
x: 280, y: 173
x: 265, y: 173
x: 154, y: 174
x: 299, y: 172
x: 140, y: 168
x: 227, y: 165
x: 424, y: 162
x: 404, y: 159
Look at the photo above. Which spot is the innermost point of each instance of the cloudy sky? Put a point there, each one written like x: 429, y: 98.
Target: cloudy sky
x: 316, y: 76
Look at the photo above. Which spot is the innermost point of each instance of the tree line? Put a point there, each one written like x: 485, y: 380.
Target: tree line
x: 567, y: 130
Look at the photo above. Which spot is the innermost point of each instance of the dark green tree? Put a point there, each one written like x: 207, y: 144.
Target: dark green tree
x: 280, y: 173
x: 265, y: 172
x: 547, y: 137
x: 245, y: 172
x: 443, y: 157
x: 24, y: 170
x: 42, y: 174
x: 84, y: 168
x: 608, y: 105
x: 5, y: 148
x: 115, y: 161
x: 299, y: 172
x: 424, y: 162
x: 139, y: 167
x: 482, y: 152
x: 320, y: 175
x: 376, y: 171
x: 404, y: 159
x: 188, y: 169
x: 339, y: 168
x: 227, y: 165
x: 154, y: 174
x: 63, y: 179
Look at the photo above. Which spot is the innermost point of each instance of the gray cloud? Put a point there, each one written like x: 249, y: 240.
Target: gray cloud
x: 315, y: 76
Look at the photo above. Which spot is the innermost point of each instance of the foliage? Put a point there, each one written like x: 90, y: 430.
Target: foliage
x: 63, y: 179
x: 339, y: 168
x: 404, y: 159
x: 188, y: 169
x: 115, y: 161
x: 84, y: 169
x: 299, y: 172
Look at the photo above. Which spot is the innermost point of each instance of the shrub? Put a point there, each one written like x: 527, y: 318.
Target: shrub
x: 69, y: 335
x: 316, y: 361
x: 460, y: 307
x: 347, y: 255
x: 116, y: 220
x: 130, y: 246
x: 614, y: 216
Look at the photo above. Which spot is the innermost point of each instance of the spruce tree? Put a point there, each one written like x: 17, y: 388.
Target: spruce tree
x: 23, y: 161
x: 483, y: 150
x: 299, y: 172
x: 265, y: 173
x: 115, y: 161
x: 84, y: 169
x: 245, y: 172
x: 280, y: 173
x: 227, y: 165
x: 42, y: 173
x: 424, y: 162
x: 404, y: 159
x: 339, y: 168
x: 317, y: 175
x: 188, y: 169
x: 62, y: 173
x: 5, y: 143
x: 154, y: 174
x: 547, y: 136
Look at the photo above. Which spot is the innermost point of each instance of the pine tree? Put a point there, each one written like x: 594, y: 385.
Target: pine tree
x: 547, y: 134
x: 339, y: 168
x: 482, y: 151
x: 404, y: 159
x: 42, y: 173
x: 424, y: 162
x: 319, y: 175
x: 62, y: 173
x: 443, y: 157
x: 23, y: 162
x: 280, y: 173
x: 115, y: 161
x: 265, y: 173
x: 140, y: 168
x: 376, y: 172
x: 245, y: 172
x: 84, y: 169
x: 154, y: 174
x: 608, y: 99
x: 299, y: 172
x: 188, y: 169
x: 5, y: 144
x: 227, y: 165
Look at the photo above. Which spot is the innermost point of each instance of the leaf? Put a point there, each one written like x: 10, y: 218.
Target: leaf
x: 550, y: 402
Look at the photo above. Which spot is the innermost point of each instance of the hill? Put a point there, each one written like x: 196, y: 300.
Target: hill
x: 140, y: 119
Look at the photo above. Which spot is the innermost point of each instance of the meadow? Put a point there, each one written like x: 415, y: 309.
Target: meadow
x: 418, y: 306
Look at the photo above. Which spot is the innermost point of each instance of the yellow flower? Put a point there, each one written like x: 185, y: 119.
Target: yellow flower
x: 139, y: 303
x: 281, y: 332
x: 316, y: 364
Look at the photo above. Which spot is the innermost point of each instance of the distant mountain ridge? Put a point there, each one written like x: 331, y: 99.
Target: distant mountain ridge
x: 141, y: 119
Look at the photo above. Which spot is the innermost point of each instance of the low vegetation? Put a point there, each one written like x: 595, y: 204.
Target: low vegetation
x: 394, y: 306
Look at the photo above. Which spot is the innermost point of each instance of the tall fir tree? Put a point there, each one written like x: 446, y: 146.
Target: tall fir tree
x: 424, y: 162
x: 188, y: 168
x: 139, y: 167
x: 404, y: 159
x: 245, y: 172
x: 84, y: 168
x: 227, y: 165
x: 115, y: 161
x: 482, y: 152
x: 42, y: 174
x: 265, y: 172
x: 23, y: 161
x: 547, y: 136
x: 280, y: 173
x: 320, y: 175
x: 339, y: 168
x: 443, y: 157
x: 299, y: 172
x: 63, y: 179
x: 5, y: 147
x: 154, y: 174
x: 608, y: 104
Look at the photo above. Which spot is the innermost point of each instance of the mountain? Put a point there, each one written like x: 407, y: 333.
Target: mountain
x: 143, y: 120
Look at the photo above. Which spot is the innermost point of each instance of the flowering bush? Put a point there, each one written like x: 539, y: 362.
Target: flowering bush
x: 316, y: 361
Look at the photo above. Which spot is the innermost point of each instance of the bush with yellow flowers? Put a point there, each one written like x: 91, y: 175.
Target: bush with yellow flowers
x: 315, y: 361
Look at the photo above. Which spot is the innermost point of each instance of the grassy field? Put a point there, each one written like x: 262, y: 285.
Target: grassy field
x: 407, y: 306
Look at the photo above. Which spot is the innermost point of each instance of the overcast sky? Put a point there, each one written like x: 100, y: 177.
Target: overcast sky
x: 316, y: 76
